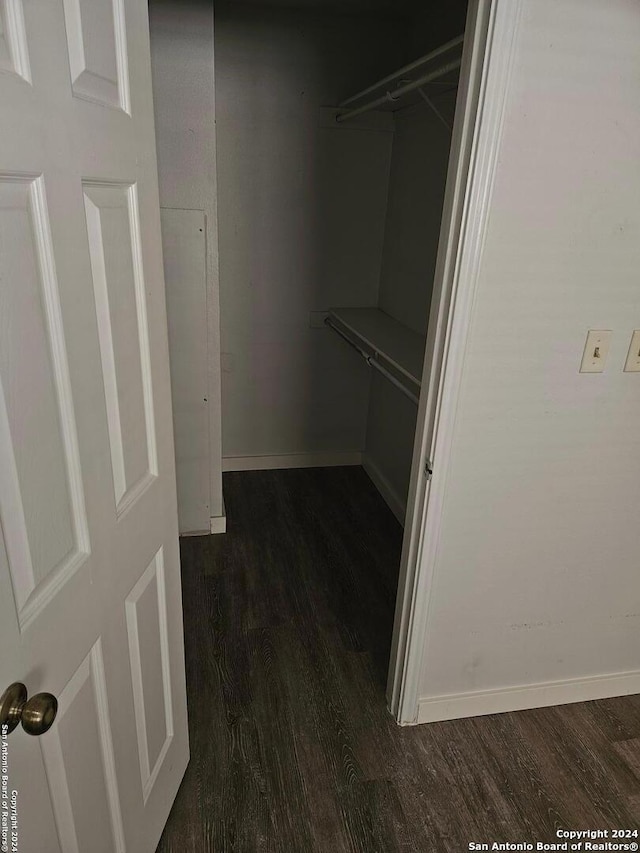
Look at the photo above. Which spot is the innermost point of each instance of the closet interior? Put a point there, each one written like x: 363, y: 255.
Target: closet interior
x: 333, y: 142
x: 301, y: 219
x: 393, y: 348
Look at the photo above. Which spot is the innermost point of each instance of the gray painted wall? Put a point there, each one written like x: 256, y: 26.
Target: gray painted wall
x: 302, y: 215
x: 184, y: 103
x: 416, y: 191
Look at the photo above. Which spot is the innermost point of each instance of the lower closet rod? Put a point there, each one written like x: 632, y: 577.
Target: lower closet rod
x: 372, y: 362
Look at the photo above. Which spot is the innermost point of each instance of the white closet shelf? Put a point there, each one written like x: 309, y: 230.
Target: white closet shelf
x: 386, y: 339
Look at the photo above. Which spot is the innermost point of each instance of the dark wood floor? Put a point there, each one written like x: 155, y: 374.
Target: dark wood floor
x: 288, y: 622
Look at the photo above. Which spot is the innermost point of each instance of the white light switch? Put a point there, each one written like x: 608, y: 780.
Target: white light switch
x: 596, y: 351
x: 633, y: 358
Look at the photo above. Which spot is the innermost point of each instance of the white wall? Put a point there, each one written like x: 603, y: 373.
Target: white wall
x: 391, y: 428
x: 536, y: 579
x: 185, y: 273
x: 416, y: 190
x: 184, y: 101
x: 302, y: 212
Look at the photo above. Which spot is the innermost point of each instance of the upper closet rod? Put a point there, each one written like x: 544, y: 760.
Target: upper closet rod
x: 398, y: 93
x: 405, y: 70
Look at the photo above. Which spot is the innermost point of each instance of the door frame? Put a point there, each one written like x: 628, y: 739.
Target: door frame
x: 487, y: 61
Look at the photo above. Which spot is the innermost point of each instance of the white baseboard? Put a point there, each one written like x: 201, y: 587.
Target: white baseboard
x: 479, y: 703
x: 395, y: 503
x: 291, y: 460
x: 218, y: 523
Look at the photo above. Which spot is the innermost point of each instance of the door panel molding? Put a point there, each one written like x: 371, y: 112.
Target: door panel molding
x: 88, y: 731
x: 14, y: 52
x: 119, y: 289
x: 97, y: 48
x: 146, y: 611
x: 50, y: 539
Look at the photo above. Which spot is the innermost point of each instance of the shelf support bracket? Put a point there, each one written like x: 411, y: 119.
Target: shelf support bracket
x: 433, y: 108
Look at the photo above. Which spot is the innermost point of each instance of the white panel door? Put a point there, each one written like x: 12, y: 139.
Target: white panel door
x: 90, y: 603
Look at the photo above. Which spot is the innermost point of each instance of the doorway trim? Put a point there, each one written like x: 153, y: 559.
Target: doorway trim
x: 487, y: 63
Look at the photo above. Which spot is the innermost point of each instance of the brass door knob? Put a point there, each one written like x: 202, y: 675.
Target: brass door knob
x: 36, y: 714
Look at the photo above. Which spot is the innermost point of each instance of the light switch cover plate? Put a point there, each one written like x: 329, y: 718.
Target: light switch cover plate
x: 632, y: 364
x: 596, y: 351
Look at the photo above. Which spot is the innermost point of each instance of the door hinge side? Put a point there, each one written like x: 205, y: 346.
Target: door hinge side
x: 428, y: 469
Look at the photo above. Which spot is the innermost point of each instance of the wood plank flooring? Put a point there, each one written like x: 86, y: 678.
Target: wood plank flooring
x: 288, y: 622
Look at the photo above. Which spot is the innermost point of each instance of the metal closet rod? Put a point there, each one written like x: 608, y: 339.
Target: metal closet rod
x: 372, y: 362
x: 399, y: 92
x: 407, y: 69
